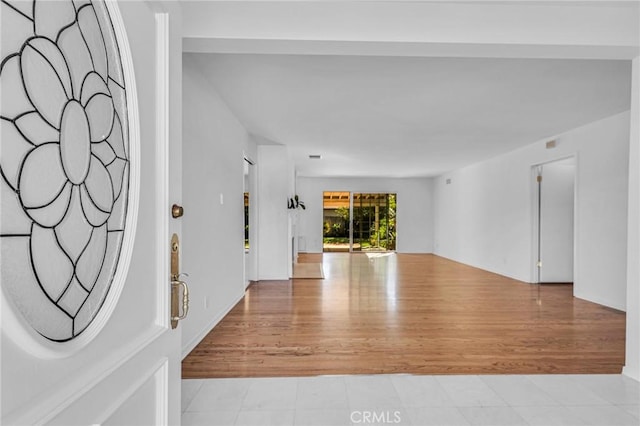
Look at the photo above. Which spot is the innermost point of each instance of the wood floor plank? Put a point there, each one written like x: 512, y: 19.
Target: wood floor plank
x: 408, y: 313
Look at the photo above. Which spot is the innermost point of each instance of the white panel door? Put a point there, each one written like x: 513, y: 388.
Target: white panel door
x: 557, y: 221
x: 72, y: 354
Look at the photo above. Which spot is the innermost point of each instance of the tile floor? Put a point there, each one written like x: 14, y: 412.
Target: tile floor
x: 604, y: 400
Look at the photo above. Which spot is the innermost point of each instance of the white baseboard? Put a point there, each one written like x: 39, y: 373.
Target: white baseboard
x: 626, y: 371
x: 186, y: 349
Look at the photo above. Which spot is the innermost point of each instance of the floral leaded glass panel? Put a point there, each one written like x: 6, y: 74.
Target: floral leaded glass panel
x: 64, y: 161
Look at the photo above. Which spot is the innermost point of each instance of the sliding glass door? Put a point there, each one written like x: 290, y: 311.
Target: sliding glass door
x: 359, y: 221
x: 374, y: 222
x: 336, y: 233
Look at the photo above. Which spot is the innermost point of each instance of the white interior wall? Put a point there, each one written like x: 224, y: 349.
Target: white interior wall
x: 523, y: 29
x: 484, y: 216
x: 632, y: 359
x: 414, y: 209
x: 214, y: 144
x: 556, y: 232
x: 274, y: 180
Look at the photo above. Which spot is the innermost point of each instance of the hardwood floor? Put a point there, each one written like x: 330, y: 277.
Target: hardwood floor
x: 408, y: 313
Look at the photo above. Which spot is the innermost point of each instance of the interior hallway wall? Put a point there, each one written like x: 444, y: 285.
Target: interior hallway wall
x: 214, y: 143
x: 484, y: 216
x: 274, y: 184
x: 414, y: 209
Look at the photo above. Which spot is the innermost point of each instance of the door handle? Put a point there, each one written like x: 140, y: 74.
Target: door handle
x: 175, y: 289
x: 177, y: 284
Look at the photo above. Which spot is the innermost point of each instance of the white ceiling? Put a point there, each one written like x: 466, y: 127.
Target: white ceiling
x: 410, y: 116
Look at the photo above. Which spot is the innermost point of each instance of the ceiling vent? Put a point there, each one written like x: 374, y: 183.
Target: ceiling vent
x: 315, y: 157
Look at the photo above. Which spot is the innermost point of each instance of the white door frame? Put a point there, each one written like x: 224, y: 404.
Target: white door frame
x: 251, y: 259
x: 535, y: 219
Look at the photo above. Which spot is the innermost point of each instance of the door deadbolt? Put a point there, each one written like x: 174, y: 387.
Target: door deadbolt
x: 177, y: 211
